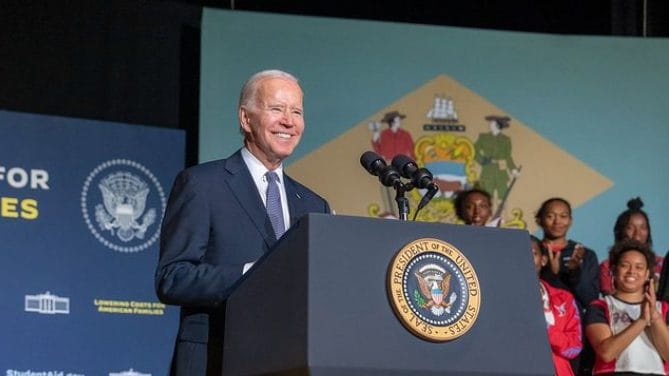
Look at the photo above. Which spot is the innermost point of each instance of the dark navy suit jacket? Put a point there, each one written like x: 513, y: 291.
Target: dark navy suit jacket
x: 214, y: 224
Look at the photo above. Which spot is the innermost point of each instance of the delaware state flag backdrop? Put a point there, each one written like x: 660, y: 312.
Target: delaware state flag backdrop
x: 81, y: 203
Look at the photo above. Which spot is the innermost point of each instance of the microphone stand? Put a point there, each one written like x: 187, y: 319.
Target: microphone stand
x: 402, y: 202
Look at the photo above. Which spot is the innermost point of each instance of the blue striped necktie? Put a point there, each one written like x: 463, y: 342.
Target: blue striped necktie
x: 273, y: 203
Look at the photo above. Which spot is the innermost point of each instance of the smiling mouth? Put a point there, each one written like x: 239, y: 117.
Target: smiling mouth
x: 284, y: 136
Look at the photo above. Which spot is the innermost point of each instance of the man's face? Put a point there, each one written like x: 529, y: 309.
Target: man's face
x: 274, y: 123
x: 477, y: 209
x: 395, y: 124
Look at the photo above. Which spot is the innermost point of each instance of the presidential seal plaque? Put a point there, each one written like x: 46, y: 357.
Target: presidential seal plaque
x: 434, y: 290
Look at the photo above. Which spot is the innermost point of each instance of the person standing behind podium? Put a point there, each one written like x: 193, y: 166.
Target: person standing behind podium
x: 473, y: 207
x: 575, y: 265
x: 224, y: 215
x: 563, y: 321
x: 633, y: 223
x: 570, y: 265
x: 628, y: 329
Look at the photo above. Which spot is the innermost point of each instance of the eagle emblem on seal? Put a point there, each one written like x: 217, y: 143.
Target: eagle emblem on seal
x: 434, y: 284
x: 124, y: 197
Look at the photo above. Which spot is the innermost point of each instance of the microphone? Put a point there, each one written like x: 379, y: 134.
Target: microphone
x: 432, y: 190
x: 420, y: 177
x: 372, y: 162
x: 376, y: 166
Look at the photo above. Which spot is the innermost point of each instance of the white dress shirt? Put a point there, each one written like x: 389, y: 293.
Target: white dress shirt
x: 258, y: 170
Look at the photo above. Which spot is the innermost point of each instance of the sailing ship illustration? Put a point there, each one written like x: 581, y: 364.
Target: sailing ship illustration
x: 443, y: 110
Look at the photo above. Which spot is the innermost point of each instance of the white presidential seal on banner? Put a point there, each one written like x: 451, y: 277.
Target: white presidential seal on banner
x: 122, y: 203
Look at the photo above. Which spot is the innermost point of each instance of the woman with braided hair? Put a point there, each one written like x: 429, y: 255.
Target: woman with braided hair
x: 632, y: 223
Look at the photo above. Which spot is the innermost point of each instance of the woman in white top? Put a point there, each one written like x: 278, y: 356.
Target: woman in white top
x: 628, y: 329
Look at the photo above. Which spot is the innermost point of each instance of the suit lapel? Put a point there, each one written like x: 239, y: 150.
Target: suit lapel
x: 244, y: 189
x: 295, y: 202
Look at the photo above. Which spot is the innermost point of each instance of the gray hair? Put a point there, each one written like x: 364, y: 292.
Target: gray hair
x: 247, y: 96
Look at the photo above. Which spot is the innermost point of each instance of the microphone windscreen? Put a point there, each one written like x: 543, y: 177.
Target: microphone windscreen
x: 372, y: 162
x: 401, y: 162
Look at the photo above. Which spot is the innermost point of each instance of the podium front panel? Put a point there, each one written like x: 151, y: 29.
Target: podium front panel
x: 338, y: 305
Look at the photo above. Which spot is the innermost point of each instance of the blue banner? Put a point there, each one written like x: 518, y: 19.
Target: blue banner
x: 80, y: 208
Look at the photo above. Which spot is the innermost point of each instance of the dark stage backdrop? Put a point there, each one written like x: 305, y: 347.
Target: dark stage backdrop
x: 80, y: 208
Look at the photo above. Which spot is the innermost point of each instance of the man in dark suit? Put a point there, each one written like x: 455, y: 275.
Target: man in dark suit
x: 217, y: 223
